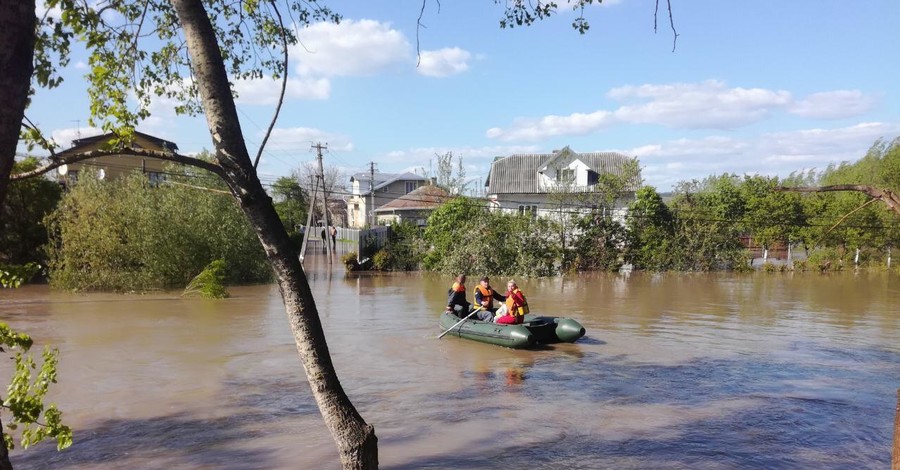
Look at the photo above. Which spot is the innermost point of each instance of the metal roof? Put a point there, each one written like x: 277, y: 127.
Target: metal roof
x: 422, y: 198
x: 518, y: 173
x: 383, y: 179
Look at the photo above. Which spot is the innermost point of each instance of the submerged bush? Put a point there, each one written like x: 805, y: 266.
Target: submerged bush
x: 210, y: 283
x: 127, y: 235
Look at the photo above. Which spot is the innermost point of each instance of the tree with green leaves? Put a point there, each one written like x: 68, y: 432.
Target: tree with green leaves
x: 24, y: 400
x: 707, y: 229
x: 24, y: 235
x: 770, y: 216
x: 651, y: 231
x: 445, y: 226
x: 453, y: 181
x: 128, y: 235
x: 291, y: 204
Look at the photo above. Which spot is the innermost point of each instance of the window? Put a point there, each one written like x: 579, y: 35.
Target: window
x: 567, y: 175
x: 528, y: 210
x: 72, y: 177
x: 410, y: 186
x: 593, y: 177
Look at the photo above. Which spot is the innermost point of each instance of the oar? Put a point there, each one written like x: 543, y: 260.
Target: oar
x: 460, y: 322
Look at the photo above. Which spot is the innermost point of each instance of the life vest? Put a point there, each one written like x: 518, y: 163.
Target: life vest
x: 514, y: 309
x: 486, y: 294
x: 456, y: 287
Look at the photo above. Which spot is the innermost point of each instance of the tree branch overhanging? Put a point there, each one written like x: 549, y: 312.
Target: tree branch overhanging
x: 891, y: 199
x: 284, y: 79
x: 159, y: 155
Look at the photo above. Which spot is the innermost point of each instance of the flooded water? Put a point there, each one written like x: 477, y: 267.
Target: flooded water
x: 677, y: 371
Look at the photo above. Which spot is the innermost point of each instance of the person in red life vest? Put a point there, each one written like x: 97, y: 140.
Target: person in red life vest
x: 485, y: 296
x: 456, y: 298
x: 516, y: 306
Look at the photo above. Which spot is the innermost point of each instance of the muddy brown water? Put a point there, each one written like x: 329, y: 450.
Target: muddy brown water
x: 682, y: 371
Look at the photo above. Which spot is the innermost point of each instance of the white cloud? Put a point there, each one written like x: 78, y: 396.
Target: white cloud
x: 706, y: 105
x: 833, y: 105
x: 265, y: 90
x: 64, y: 137
x: 474, y: 157
x: 351, y: 48
x: 444, y: 62
x: 550, y: 126
x: 300, y: 139
x: 709, y: 104
x: 666, y: 163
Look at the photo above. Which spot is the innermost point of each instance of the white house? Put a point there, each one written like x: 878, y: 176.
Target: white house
x: 369, y: 193
x: 525, y: 183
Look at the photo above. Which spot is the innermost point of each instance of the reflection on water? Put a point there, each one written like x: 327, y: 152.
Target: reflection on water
x: 691, y: 371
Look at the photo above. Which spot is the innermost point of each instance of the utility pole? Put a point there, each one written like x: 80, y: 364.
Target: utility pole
x: 372, y: 191
x: 326, y: 227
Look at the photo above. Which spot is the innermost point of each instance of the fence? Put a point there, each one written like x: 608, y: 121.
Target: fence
x: 364, y: 242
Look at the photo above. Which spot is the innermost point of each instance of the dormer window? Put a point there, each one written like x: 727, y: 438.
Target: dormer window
x: 567, y: 175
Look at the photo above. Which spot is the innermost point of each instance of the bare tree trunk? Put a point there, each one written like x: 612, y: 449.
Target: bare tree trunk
x: 895, y: 455
x: 5, y: 464
x: 356, y: 441
x: 17, y: 25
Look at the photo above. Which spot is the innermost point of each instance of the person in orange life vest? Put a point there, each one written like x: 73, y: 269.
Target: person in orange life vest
x: 485, y: 296
x: 456, y: 298
x: 516, y: 305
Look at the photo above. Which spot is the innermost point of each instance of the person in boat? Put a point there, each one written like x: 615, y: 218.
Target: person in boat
x: 456, y: 298
x: 485, y: 296
x: 516, y: 306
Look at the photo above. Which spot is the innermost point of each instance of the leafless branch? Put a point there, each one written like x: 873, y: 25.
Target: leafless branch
x: 419, y: 26
x: 842, y: 219
x: 284, y: 78
x: 887, y: 196
x: 159, y: 155
x: 45, y: 144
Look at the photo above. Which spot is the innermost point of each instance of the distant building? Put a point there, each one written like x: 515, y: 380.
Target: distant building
x: 414, y: 207
x: 369, y: 193
x: 116, y: 166
x: 522, y: 183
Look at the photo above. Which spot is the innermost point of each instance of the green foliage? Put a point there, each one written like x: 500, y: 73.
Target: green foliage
x: 651, y: 230
x: 210, y: 283
x: 28, y: 201
x: 12, y: 276
x: 771, y: 216
x: 350, y: 262
x: 126, y: 235
x: 706, y: 225
x: 407, y: 248
x: 445, y: 225
x: 291, y: 205
x: 454, y: 184
x: 25, y: 395
x: 600, y: 245
x: 128, y: 63
x: 383, y: 260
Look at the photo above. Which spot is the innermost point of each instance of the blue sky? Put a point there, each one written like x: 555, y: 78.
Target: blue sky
x: 752, y: 87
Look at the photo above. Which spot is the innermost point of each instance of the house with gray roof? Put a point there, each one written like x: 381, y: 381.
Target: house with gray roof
x: 414, y: 207
x: 368, y: 193
x: 527, y: 183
